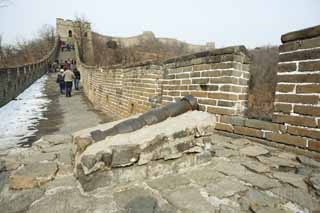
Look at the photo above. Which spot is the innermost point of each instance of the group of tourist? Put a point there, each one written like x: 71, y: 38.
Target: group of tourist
x: 67, y: 75
x: 64, y: 46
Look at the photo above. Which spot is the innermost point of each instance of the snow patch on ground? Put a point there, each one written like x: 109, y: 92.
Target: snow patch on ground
x: 19, y: 117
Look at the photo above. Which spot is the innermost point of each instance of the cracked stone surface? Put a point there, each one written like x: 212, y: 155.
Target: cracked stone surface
x: 267, y: 180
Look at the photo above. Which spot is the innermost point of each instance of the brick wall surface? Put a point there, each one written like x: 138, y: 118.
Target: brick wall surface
x: 15, y: 80
x: 219, y: 80
x: 296, y: 117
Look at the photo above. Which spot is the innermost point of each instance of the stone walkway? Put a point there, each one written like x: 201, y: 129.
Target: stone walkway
x: 66, y: 115
x: 242, y: 176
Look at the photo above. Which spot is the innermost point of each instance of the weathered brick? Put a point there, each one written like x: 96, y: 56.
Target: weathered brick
x: 305, y: 99
x: 286, y: 138
x: 307, y: 132
x: 225, y: 96
x: 174, y: 93
x: 201, y: 67
x: 199, y: 94
x: 184, y: 81
x: 206, y: 87
x: 295, y: 120
x: 309, y: 66
x: 211, y: 73
x: 187, y: 69
x: 175, y: 82
x: 185, y: 93
x: 223, y: 66
x: 235, y: 120
x: 285, y: 88
x: 207, y: 102
x: 300, y: 44
x: 265, y: 125
x: 224, y: 127
x: 307, y: 33
x: 284, y: 108
x: 300, y: 55
x: 226, y: 103
x: 224, y: 80
x: 307, y: 110
x: 231, y: 88
x: 221, y: 111
x: 248, y: 131
x: 195, y: 74
x: 200, y: 81
x: 314, y: 145
x: 311, y: 88
x: 287, y: 67
x: 172, y: 76
x: 299, y: 78
x: 182, y: 75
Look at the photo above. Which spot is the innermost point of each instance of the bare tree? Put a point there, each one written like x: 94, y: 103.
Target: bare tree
x: 81, y: 27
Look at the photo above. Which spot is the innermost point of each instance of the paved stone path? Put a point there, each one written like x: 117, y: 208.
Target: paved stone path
x: 243, y: 176
x: 66, y: 115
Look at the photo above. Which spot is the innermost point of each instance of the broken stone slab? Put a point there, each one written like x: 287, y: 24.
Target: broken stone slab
x: 32, y: 175
x: 278, y: 163
x: 293, y: 179
x: 225, y: 188
x: 82, y: 139
x: 255, y: 166
x: 314, y: 181
x: 256, y: 200
x: 253, y: 151
x: 169, y: 183
x: 19, y: 201
x: 141, y: 199
x: 308, y: 161
x: 126, y: 148
x: 52, y: 140
x: 296, y: 195
x: 189, y: 199
x: 71, y: 200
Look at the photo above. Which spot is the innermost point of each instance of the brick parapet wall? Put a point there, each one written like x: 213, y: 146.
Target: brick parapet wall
x: 296, y: 118
x: 15, y: 80
x: 218, y: 78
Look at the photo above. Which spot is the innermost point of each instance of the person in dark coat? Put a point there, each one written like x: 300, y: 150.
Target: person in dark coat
x: 76, y: 79
x: 60, y: 81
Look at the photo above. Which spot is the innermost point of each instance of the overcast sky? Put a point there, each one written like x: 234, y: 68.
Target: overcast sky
x: 225, y: 22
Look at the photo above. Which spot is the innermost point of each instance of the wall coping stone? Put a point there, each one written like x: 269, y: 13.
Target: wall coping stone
x: 301, y: 34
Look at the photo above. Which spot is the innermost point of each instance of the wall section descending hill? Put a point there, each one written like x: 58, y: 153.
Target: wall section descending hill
x: 14, y: 80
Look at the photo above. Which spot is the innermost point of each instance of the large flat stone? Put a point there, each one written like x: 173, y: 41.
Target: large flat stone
x: 19, y: 201
x: 298, y: 196
x: 169, y: 183
x: 293, y: 179
x: 127, y: 147
x: 141, y: 200
x: 253, y: 151
x: 255, y: 166
x: 225, y: 188
x: 189, y: 199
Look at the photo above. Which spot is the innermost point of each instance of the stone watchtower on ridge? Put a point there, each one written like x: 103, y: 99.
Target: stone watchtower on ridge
x: 76, y: 31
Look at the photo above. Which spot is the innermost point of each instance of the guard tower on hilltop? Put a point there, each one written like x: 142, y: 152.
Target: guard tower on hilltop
x: 77, y: 32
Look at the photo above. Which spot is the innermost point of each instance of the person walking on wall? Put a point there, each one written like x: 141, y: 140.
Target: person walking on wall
x: 68, y: 78
x: 77, y: 79
x: 60, y: 81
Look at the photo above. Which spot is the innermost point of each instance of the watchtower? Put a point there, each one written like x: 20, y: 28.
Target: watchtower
x: 76, y: 31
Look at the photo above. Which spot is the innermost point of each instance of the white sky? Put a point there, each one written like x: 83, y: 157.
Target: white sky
x: 226, y: 22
